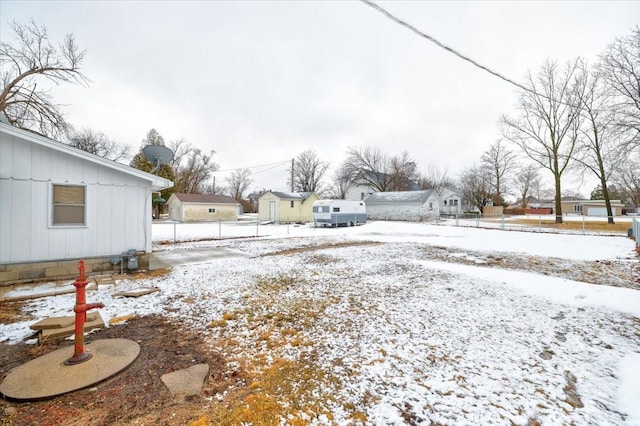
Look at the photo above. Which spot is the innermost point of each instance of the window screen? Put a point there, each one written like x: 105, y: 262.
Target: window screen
x: 68, y: 205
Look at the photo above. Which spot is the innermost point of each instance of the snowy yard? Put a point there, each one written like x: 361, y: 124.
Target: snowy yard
x: 407, y: 323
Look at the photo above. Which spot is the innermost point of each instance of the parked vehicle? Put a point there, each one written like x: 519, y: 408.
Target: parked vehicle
x: 339, y: 213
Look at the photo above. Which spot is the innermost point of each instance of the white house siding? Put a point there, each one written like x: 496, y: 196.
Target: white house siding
x: 408, y: 212
x: 358, y: 192
x: 451, y: 201
x: 407, y: 206
x: 175, y: 209
x: 115, y: 205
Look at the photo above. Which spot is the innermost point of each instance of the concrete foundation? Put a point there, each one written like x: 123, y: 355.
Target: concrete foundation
x: 21, y: 273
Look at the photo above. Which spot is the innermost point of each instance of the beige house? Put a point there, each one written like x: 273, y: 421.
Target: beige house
x: 286, y: 207
x: 202, y: 207
x: 591, y: 207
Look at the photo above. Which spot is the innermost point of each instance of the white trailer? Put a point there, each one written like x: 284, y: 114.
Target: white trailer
x: 339, y: 212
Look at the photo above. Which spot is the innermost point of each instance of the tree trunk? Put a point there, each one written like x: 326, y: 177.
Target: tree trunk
x: 558, y: 203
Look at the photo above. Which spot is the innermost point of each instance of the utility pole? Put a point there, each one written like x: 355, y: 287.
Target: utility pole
x: 292, y: 162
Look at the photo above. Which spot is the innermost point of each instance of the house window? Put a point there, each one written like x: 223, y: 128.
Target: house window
x: 445, y: 202
x: 336, y: 209
x: 577, y: 208
x: 430, y: 207
x: 362, y: 195
x: 212, y: 210
x: 68, y: 205
x: 455, y: 202
x: 291, y: 203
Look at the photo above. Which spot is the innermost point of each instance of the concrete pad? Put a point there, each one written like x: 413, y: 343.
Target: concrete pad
x: 94, y: 320
x: 137, y: 292
x: 36, y: 291
x: 186, y: 382
x: 60, y: 322
x: 48, y: 376
x: 104, y: 280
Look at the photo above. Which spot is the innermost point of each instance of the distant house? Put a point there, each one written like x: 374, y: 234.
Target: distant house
x: 578, y: 206
x: 532, y: 206
x: 451, y: 201
x: 404, y: 205
x: 358, y: 192
x: 202, y: 207
x: 59, y: 204
x: 286, y: 207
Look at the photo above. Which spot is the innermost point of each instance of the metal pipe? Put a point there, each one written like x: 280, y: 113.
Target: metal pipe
x: 81, y: 308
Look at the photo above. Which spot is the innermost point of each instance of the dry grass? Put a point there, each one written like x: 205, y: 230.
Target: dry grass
x: 587, y: 225
x: 278, y: 384
x: 11, y: 312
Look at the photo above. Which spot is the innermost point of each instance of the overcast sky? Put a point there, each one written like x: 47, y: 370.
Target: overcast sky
x: 260, y: 82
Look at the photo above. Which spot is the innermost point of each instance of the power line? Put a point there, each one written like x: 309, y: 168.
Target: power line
x: 279, y: 163
x: 442, y: 45
x: 458, y: 54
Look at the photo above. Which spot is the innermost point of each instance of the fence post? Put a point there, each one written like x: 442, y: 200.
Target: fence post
x: 583, y: 225
x: 219, y: 229
x: 174, y: 232
x: 503, y: 222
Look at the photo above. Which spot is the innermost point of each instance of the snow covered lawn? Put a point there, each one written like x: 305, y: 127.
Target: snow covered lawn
x: 406, y: 323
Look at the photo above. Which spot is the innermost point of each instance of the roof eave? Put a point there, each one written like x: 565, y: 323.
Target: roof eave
x: 157, y: 183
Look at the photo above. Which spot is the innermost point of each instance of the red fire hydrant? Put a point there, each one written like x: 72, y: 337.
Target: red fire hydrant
x: 81, y: 308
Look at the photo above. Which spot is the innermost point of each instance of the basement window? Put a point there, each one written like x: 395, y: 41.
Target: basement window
x: 212, y: 210
x: 68, y: 205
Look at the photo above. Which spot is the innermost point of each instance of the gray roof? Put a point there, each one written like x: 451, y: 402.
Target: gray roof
x: 292, y: 195
x: 415, y: 197
x: 205, y: 198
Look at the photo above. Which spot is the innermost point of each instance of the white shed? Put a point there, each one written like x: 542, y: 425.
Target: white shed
x: 60, y: 203
x: 404, y: 205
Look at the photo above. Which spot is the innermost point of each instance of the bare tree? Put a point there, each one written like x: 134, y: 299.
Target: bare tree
x: 620, y: 67
x: 404, y: 173
x: 341, y: 183
x: 598, y: 149
x: 526, y: 182
x: 193, y: 171
x: 98, y: 144
x: 238, y: 182
x: 546, y: 129
x: 627, y: 179
x: 369, y: 167
x: 28, y: 63
x: 500, y: 162
x: 475, y: 184
x: 435, y: 178
x: 308, y: 171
